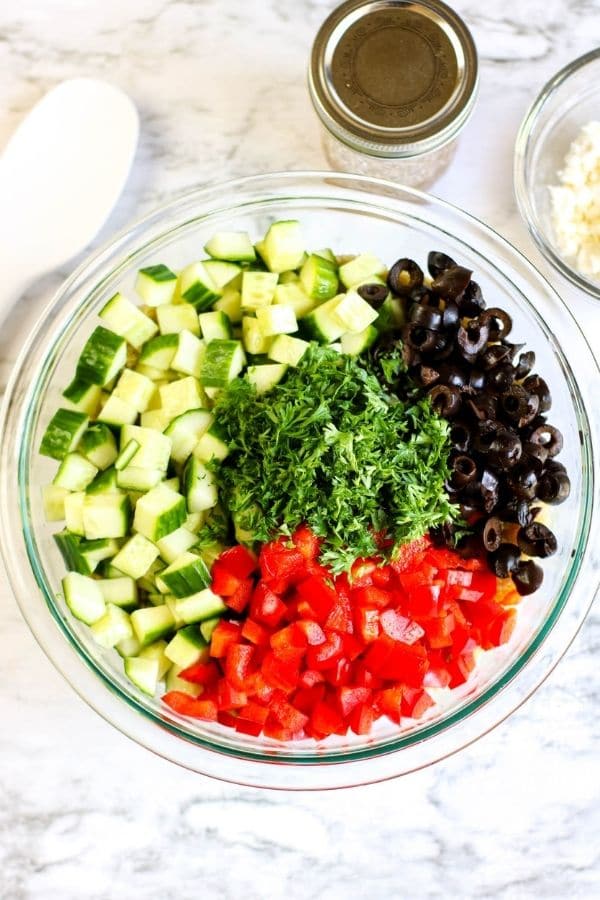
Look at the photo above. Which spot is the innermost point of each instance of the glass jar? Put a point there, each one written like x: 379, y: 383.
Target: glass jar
x: 393, y: 83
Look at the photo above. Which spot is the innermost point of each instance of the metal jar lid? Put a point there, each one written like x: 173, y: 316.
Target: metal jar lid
x: 392, y: 78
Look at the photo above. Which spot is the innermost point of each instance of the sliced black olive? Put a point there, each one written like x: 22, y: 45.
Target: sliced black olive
x: 553, y: 465
x: 454, y: 375
x: 445, y: 400
x: 524, y: 483
x: 471, y: 303
x: 537, y: 540
x: 505, y: 450
x: 515, y: 403
x: 451, y: 315
x: 424, y: 296
x: 410, y: 356
x: 477, y: 380
x: 492, y: 534
x: 536, y: 385
x: 527, y: 577
x: 438, y: 262
x: 498, y: 321
x: 485, y: 434
x: 419, y: 338
x: 428, y: 376
x: 469, y: 546
x: 460, y: 436
x: 517, y: 510
x: 553, y: 487
x: 525, y: 364
x: 404, y: 277
x: 513, y: 349
x: 443, y: 535
x: 536, y: 456
x: 493, y: 355
x: 375, y: 294
x: 490, y: 490
x: 501, y: 378
x: 451, y: 282
x: 427, y: 316
x: 548, y: 437
x: 464, y: 470
x: 444, y: 347
x: 483, y: 407
x: 473, y: 337
x: 504, y: 561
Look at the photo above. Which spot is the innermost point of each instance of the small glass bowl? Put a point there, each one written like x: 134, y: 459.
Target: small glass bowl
x: 567, y: 102
x: 352, y: 214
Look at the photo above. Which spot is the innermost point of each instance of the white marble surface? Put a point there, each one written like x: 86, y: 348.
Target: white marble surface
x: 84, y: 813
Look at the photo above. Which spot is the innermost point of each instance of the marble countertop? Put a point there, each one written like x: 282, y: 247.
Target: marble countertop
x: 85, y: 813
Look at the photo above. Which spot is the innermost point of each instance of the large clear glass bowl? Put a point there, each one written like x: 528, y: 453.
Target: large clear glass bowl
x: 352, y: 214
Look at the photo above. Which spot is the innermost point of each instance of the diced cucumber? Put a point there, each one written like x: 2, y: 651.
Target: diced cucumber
x: 207, y: 627
x: 156, y: 284
x: 288, y: 350
x: 277, y: 320
x: 98, y: 445
x: 136, y: 556
x: 185, y: 431
x: 255, y: 342
x: 173, y: 319
x: 215, y: 325
x: 121, y: 591
x: 143, y: 673
x: 223, y: 273
x: 173, y: 483
x: 113, y: 627
x: 134, y: 478
x: 104, y: 483
x: 231, y: 304
x: 129, y: 647
x: 174, y: 683
x: 73, y: 506
x: 189, y: 355
x: 156, y: 651
x: 187, y: 647
x: 211, y: 445
x: 200, y: 606
x: 195, y: 521
x: 200, y: 487
x: 197, y: 287
x: 266, y: 377
x: 169, y: 601
x: 126, y: 455
x: 354, y: 313
x: 117, y: 412
x: 148, y: 581
x: 159, y: 512
x: 135, y: 389
x: 83, y: 396
x: 75, y: 472
x: 128, y: 321
x: 187, y: 575
x: 258, y: 290
x: 291, y: 294
x: 155, y: 419
x: 231, y: 245
x: 392, y: 314
x: 53, y: 499
x: 181, y: 396
x: 98, y: 551
x: 64, y: 431
x: 106, y: 515
x: 173, y: 545
x: 83, y: 597
x: 223, y: 361
x: 154, y: 449
x: 319, y: 278
x: 69, y: 545
x: 322, y: 324
x: 159, y: 352
x: 103, y: 357
x: 289, y: 277
x: 327, y: 253
x: 360, y: 269
x: 283, y: 246
x: 152, y: 623
x: 354, y: 344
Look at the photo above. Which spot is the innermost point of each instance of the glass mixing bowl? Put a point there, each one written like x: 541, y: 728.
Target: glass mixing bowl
x: 351, y: 214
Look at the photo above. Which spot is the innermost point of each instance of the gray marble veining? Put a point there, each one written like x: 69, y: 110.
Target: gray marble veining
x: 85, y: 813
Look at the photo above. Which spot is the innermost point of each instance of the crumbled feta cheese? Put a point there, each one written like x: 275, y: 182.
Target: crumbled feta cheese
x: 576, y: 202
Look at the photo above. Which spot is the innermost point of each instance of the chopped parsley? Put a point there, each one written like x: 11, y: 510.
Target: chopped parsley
x: 331, y: 446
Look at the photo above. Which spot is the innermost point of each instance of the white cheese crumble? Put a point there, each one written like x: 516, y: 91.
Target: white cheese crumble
x: 576, y: 202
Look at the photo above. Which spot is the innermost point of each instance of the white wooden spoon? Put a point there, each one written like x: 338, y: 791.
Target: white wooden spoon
x: 60, y: 176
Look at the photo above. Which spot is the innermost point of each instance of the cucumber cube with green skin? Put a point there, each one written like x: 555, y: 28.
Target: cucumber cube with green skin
x: 197, y: 287
x: 185, y: 431
x: 173, y: 545
x: 231, y: 304
x: 391, y: 315
x: 293, y: 295
x: 75, y: 473
x: 361, y: 269
x: 134, y: 478
x: 223, y: 273
x: 128, y: 321
x: 264, y: 378
x: 215, y: 325
x: 156, y: 284
x: 327, y: 253
x: 181, y: 396
x: 129, y: 647
x: 114, y: 627
x: 136, y: 556
x: 64, y: 432
x: 155, y: 419
x: 98, y: 445
x: 277, y: 320
x: 187, y: 575
x: 135, y: 389
x: 154, y: 449
x: 172, y: 483
x: 159, y: 512
x: 354, y: 313
x: 143, y: 673
x: 156, y: 651
x: 253, y: 338
x: 283, y: 246
x: 159, y: 352
x: 207, y: 627
x: 189, y: 355
x: 53, y: 500
x: 99, y: 550
x: 174, y: 683
x: 117, y: 412
x: 106, y: 515
x: 104, y: 483
x: 173, y: 319
x: 126, y: 455
x: 200, y: 606
x: 83, y: 397
x: 121, y: 591
x: 187, y: 647
x: 83, y: 597
x: 103, y: 357
x: 152, y: 623
x: 258, y: 290
x: 322, y: 324
x: 195, y: 521
x: 355, y: 344
x: 199, y: 485
x: 319, y: 278
x: 223, y: 361
x: 287, y: 350
x: 211, y: 445
x: 69, y: 546
x: 73, y: 506
x: 231, y: 245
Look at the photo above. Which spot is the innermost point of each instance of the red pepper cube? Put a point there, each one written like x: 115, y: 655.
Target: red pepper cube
x: 178, y: 701
x: 367, y: 624
x: 312, y: 631
x: 439, y: 631
x: 459, y: 576
x: 227, y: 718
x: 306, y: 542
x: 372, y: 597
x: 340, y: 617
x: 205, y: 709
x: 410, y: 555
x: 405, y: 663
x: 326, y: 720
x: 288, y: 716
x: 339, y: 674
x: 306, y: 698
x: 361, y: 719
x: 225, y: 633
x: 237, y: 664
x: 399, y: 628
x: 266, y: 606
x: 468, y: 595
x: 485, y: 582
x: 415, y: 702
x: 239, y: 600
x: 224, y: 582
x: 377, y: 655
x: 246, y: 726
x: 239, y: 561
x: 310, y: 677
x: 352, y: 647
x: 501, y: 628
x: 319, y: 594
x: 201, y: 673
x: 364, y: 678
x: 229, y: 697
x: 254, y: 712
x: 260, y: 689
x: 279, y: 562
x: 389, y: 702
x: 382, y: 576
x: 424, y: 574
x: 280, y: 674
x: 272, y: 729
x: 324, y: 656
x: 361, y: 572
x: 292, y: 636
x: 424, y: 599
x: 255, y: 633
x: 350, y: 697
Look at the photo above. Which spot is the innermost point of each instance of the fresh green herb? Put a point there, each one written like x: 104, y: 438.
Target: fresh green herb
x: 331, y: 446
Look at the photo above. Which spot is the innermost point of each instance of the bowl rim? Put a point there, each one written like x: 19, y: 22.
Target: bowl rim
x: 374, y: 189
x: 525, y: 138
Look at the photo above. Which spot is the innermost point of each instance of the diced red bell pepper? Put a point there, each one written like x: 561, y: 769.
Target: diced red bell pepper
x: 399, y: 628
x: 288, y: 637
x: 319, y: 594
x: 247, y: 726
x: 229, y: 697
x: 288, y: 716
x: 239, y: 600
x: 468, y: 595
x: 340, y: 673
x: 361, y: 719
x: 306, y: 698
x: 201, y: 673
x: 459, y: 576
x: 261, y: 689
x: 196, y: 707
x: 254, y: 712
x: 353, y: 648
x: 324, y: 656
x: 225, y: 633
x: 363, y: 677
x: 424, y: 599
x: 237, y: 664
x: 279, y: 562
x: 416, y: 578
x: 439, y: 631
x: 326, y: 720
x: 397, y: 662
x: 409, y: 555
x: 350, y: 697
x: 280, y: 674
x: 239, y: 560
x: 486, y: 582
x: 272, y: 729
x: 255, y: 633
x: 415, y: 702
x: 382, y: 575
x: 266, y: 606
x: 501, y: 628
x: 227, y: 718
x: 313, y: 632
x: 367, y: 623
x: 340, y: 617
x: 224, y: 582
x: 361, y: 572
x: 372, y: 597
x: 389, y: 702
x: 310, y: 677
x: 306, y: 541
